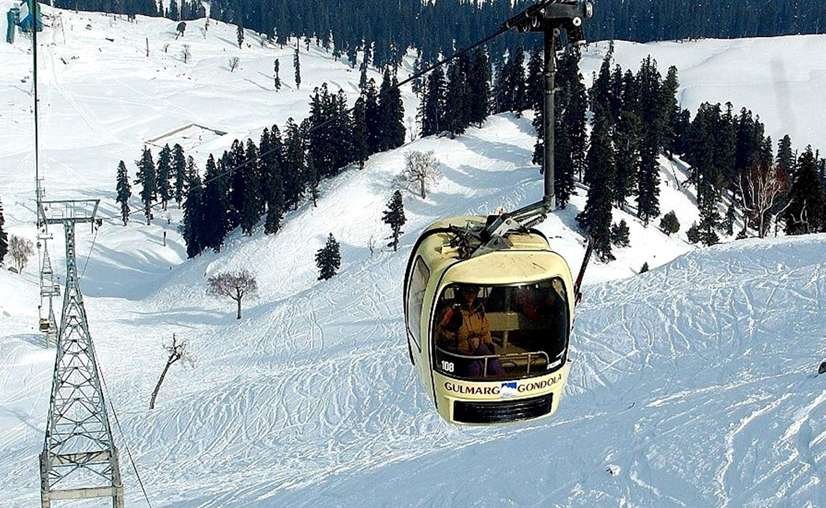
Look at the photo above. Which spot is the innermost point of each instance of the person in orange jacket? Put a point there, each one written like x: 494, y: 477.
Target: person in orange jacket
x: 464, y: 327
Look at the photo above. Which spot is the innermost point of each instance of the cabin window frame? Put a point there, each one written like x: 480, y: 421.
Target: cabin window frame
x: 565, y: 304
x: 414, y: 319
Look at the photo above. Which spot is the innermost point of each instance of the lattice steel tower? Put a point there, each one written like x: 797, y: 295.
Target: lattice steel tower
x: 79, y: 458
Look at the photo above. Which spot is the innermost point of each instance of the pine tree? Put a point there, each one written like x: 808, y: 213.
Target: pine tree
x: 195, y: 209
x: 179, y: 169
x: 297, y: 67
x: 648, y: 197
x: 146, y: 177
x: 328, y: 259
x: 621, y: 234
x: 164, y: 176
x: 627, y: 143
x: 510, y: 85
x: 215, y: 225
x: 252, y: 203
x: 785, y: 157
x: 596, y: 218
x: 394, y: 217
x: 709, y: 222
x: 360, y: 149
x: 670, y: 224
x: 391, y: 110
x: 479, y: 88
x: 671, y: 111
x: 535, y: 84
x: 806, y: 213
x: 174, y: 13
x: 431, y: 109
x: 274, y: 182
x: 575, y: 119
x: 455, y: 112
x: 124, y: 191
x: 372, y: 116
x: 294, y: 165
x: 276, y: 71
x: 4, y: 238
x: 240, y: 33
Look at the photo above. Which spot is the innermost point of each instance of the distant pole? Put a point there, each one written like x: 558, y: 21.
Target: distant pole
x: 33, y: 13
x: 147, y: 47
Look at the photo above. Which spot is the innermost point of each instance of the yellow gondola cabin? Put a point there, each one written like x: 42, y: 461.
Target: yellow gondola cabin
x: 488, y: 332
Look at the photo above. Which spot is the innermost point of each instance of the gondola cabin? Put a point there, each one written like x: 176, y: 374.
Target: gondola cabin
x: 488, y: 332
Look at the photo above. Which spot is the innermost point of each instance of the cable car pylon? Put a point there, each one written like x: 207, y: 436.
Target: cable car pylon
x: 79, y: 458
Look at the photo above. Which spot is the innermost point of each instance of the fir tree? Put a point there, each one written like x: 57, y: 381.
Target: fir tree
x: 276, y: 72
x: 146, y: 178
x: 174, y: 13
x: 670, y: 224
x: 195, y: 209
x: 785, y: 157
x: 372, y: 116
x: 478, y: 82
x: 670, y: 110
x: 806, y: 213
x: 274, y: 182
x: 596, y: 218
x: 252, y: 204
x: 360, y: 148
x: 535, y: 85
x: 297, y: 67
x: 4, y: 238
x: 627, y: 143
x: 510, y: 85
x: 575, y: 118
x: 391, y: 113
x: 294, y: 165
x: 648, y: 196
x: 455, y: 110
x: 124, y: 191
x: 179, y: 169
x: 328, y: 259
x: 394, y: 217
x: 164, y: 176
x: 431, y: 109
x: 709, y: 222
x: 215, y: 206
x: 240, y: 33
x: 233, y: 163
x: 621, y: 234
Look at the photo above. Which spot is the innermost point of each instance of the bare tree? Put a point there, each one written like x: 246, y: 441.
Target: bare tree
x: 179, y: 350
x: 233, y: 285
x: 420, y: 171
x: 186, y: 53
x: 233, y: 63
x: 21, y: 251
x: 761, y: 189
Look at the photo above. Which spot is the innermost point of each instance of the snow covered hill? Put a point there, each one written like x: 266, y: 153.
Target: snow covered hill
x: 691, y: 384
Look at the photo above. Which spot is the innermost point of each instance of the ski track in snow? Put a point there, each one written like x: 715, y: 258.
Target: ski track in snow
x: 692, y: 382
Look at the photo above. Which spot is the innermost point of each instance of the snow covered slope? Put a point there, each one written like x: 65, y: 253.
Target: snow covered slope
x: 782, y: 79
x: 691, y: 383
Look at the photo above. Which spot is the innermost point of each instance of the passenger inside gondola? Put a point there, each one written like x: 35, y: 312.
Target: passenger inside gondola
x: 463, y: 328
